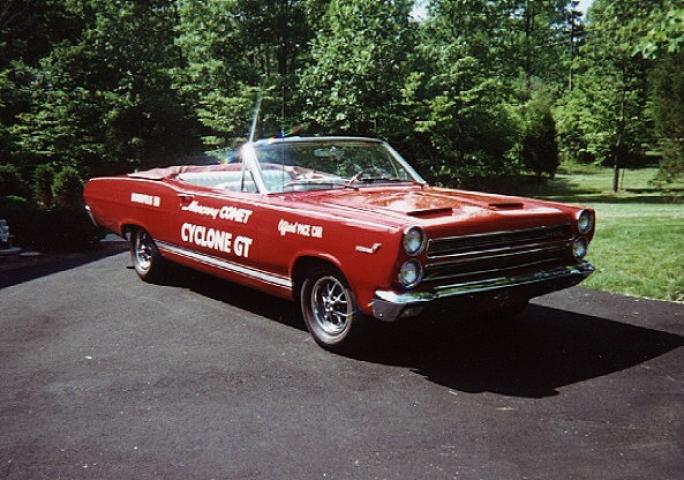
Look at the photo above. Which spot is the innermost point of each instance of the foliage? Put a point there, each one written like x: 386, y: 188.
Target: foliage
x: 605, y: 116
x: 67, y: 188
x: 63, y: 229
x: 236, y: 48
x: 665, y: 32
x: 539, y: 148
x: 638, y: 248
x: 11, y: 182
x: 43, y: 178
x: 668, y: 112
x: 359, y: 62
x: 107, y: 86
x: 19, y: 214
x: 105, y: 97
x: 464, y: 125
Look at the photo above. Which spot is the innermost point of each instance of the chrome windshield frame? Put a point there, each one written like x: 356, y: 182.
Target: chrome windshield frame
x: 251, y: 160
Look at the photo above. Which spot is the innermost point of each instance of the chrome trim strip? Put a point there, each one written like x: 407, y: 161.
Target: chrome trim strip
x: 212, y: 261
x: 431, y: 277
x: 387, y: 304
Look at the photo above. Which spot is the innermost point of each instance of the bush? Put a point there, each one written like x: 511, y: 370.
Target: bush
x: 11, y: 182
x: 67, y: 189
x: 19, y: 214
x: 60, y: 229
x: 56, y: 229
x: 43, y: 177
x: 539, y: 148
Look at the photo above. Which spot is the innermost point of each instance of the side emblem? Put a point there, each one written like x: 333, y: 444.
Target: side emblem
x: 368, y: 250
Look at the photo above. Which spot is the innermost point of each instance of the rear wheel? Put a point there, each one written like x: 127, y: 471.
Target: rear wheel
x: 330, y: 310
x: 147, y: 260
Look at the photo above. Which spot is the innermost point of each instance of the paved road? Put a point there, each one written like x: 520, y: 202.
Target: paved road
x: 105, y: 377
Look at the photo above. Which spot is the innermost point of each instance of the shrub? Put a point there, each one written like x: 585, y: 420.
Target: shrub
x: 11, y: 182
x: 67, y: 189
x: 19, y: 214
x: 539, y: 148
x: 43, y: 177
x: 60, y: 229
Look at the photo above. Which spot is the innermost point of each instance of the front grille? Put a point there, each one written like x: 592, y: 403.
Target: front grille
x: 481, y: 256
x: 440, y: 247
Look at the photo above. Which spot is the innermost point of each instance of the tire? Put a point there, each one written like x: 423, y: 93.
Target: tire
x: 330, y: 311
x: 147, y: 261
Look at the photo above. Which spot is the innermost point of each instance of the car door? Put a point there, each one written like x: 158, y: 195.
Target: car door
x: 214, y: 221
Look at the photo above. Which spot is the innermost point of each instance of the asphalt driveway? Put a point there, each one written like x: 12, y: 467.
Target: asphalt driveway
x: 103, y: 376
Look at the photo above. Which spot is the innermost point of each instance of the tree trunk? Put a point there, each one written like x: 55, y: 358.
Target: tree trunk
x: 618, y: 143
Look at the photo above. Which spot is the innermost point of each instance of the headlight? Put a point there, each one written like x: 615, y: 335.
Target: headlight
x: 579, y: 248
x: 585, y: 221
x: 410, y: 273
x: 414, y: 241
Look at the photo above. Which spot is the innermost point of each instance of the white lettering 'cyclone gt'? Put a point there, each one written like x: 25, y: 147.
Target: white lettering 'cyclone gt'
x: 214, y: 239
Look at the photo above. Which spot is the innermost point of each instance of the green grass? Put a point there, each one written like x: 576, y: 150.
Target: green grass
x: 638, y: 248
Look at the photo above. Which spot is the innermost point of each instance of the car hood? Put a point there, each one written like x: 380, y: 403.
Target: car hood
x: 431, y: 205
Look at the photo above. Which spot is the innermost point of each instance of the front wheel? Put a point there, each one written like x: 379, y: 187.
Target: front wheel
x: 147, y: 260
x: 330, y: 310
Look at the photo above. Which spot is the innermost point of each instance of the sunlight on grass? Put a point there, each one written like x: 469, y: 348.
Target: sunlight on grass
x: 639, y: 244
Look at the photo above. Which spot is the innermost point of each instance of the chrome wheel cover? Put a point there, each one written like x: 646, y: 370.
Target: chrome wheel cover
x: 143, y: 250
x: 330, y: 306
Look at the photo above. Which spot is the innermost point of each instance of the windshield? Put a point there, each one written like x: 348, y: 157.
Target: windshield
x: 303, y: 165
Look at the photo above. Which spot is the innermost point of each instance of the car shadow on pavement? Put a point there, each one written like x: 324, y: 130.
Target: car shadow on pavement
x: 235, y: 295
x: 531, y: 355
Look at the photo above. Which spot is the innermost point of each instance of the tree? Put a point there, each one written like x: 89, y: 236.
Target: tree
x: 465, y: 129
x: 611, y: 99
x: 104, y: 101
x: 359, y: 64
x: 236, y: 50
x: 668, y: 111
x: 43, y: 177
x: 539, y: 148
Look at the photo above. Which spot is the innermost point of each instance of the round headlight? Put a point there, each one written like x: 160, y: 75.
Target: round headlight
x: 579, y: 248
x: 410, y: 273
x: 414, y: 241
x: 585, y: 221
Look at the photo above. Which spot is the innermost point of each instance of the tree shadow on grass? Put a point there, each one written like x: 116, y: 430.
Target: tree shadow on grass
x: 564, y: 189
x: 615, y: 199
x: 530, y: 356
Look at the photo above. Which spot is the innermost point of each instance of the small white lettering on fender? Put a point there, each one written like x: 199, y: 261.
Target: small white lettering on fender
x: 151, y: 200
x: 302, y: 229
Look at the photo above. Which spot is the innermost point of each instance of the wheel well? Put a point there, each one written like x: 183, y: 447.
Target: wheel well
x: 305, y: 264
x: 128, y: 229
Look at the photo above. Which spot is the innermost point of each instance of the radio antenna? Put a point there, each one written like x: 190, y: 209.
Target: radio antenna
x: 255, y: 115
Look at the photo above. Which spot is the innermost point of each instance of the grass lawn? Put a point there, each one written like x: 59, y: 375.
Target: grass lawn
x: 639, y: 244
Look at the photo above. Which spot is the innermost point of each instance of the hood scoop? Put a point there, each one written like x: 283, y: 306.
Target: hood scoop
x: 505, y: 205
x: 431, y: 212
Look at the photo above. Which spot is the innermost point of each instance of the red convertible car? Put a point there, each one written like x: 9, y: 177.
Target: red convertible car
x: 346, y: 227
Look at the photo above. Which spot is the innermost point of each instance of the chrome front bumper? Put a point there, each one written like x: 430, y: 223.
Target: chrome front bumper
x: 89, y: 212
x: 389, y: 305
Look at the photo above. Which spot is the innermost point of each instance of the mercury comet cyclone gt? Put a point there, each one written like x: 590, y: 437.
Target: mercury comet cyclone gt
x: 347, y: 228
